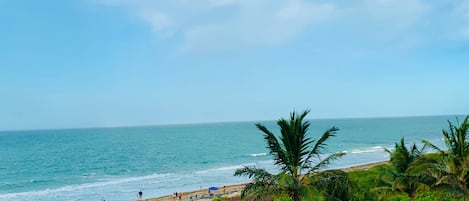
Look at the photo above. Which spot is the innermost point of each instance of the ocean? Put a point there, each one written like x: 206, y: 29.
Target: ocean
x: 115, y: 163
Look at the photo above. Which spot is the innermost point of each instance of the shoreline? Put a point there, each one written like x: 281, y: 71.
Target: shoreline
x: 234, y: 190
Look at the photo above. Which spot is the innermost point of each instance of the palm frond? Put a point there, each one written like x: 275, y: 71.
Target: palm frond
x: 258, y: 190
x: 387, y: 151
x: 425, y: 166
x: 292, y: 151
x: 409, y: 172
x: 273, y: 145
x: 284, y: 179
x: 326, y: 161
x: 427, y: 144
x: 333, y: 184
x: 263, y: 182
x: 320, y: 145
x: 254, y: 173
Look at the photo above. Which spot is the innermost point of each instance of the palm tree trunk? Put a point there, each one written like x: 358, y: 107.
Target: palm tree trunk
x: 294, y: 193
x: 296, y: 196
x: 464, y: 190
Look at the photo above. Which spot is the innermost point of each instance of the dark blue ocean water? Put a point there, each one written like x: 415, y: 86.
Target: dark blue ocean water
x: 115, y: 163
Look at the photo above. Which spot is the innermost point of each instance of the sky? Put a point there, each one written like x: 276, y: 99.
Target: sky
x: 93, y: 63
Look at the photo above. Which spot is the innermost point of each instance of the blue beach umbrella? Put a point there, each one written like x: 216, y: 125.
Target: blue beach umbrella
x: 213, y: 188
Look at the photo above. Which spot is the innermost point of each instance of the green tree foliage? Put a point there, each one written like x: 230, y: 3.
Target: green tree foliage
x: 453, y: 169
x: 334, y: 184
x: 398, y: 197
x: 435, y: 195
x: 293, y: 152
x: 364, y: 181
x: 401, y: 174
x: 283, y: 197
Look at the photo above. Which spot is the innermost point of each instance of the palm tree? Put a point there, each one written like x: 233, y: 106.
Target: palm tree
x: 454, y: 168
x: 400, y: 175
x: 293, y: 152
x: 334, y: 184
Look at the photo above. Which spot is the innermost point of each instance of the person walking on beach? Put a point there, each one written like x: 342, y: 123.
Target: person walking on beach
x: 139, y: 195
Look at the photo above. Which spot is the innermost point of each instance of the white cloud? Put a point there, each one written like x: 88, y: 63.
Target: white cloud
x: 465, y: 32
x: 462, y: 13
x: 383, y: 21
x: 400, y: 14
x: 257, y: 25
x: 159, y: 21
x: 213, y: 25
x: 217, y: 3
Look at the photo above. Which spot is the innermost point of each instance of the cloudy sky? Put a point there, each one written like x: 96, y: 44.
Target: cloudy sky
x: 88, y: 63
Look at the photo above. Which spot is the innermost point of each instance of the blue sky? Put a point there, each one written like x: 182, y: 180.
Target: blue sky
x: 87, y: 63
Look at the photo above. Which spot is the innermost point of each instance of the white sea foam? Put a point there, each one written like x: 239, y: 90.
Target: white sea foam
x: 37, y: 180
x: 367, y: 150
x: 226, y: 168
x: 259, y: 154
x: 155, y: 185
x: 87, y: 174
x: 266, y: 162
x: 70, y: 188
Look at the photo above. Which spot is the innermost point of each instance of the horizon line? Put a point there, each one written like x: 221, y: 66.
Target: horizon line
x: 217, y: 122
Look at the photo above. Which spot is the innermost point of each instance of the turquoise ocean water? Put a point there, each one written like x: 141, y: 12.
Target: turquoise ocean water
x: 115, y: 163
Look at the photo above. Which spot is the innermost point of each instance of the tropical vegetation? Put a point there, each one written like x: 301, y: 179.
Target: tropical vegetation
x: 293, y: 151
x: 412, y: 174
x: 453, y: 168
x: 401, y: 175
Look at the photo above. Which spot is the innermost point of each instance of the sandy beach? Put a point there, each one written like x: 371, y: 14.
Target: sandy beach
x: 234, y: 190
x: 227, y: 191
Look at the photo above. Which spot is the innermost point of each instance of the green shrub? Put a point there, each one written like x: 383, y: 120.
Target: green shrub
x: 283, y: 197
x: 333, y: 185
x: 435, y: 195
x: 219, y: 199
x: 400, y: 197
x: 364, y: 181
